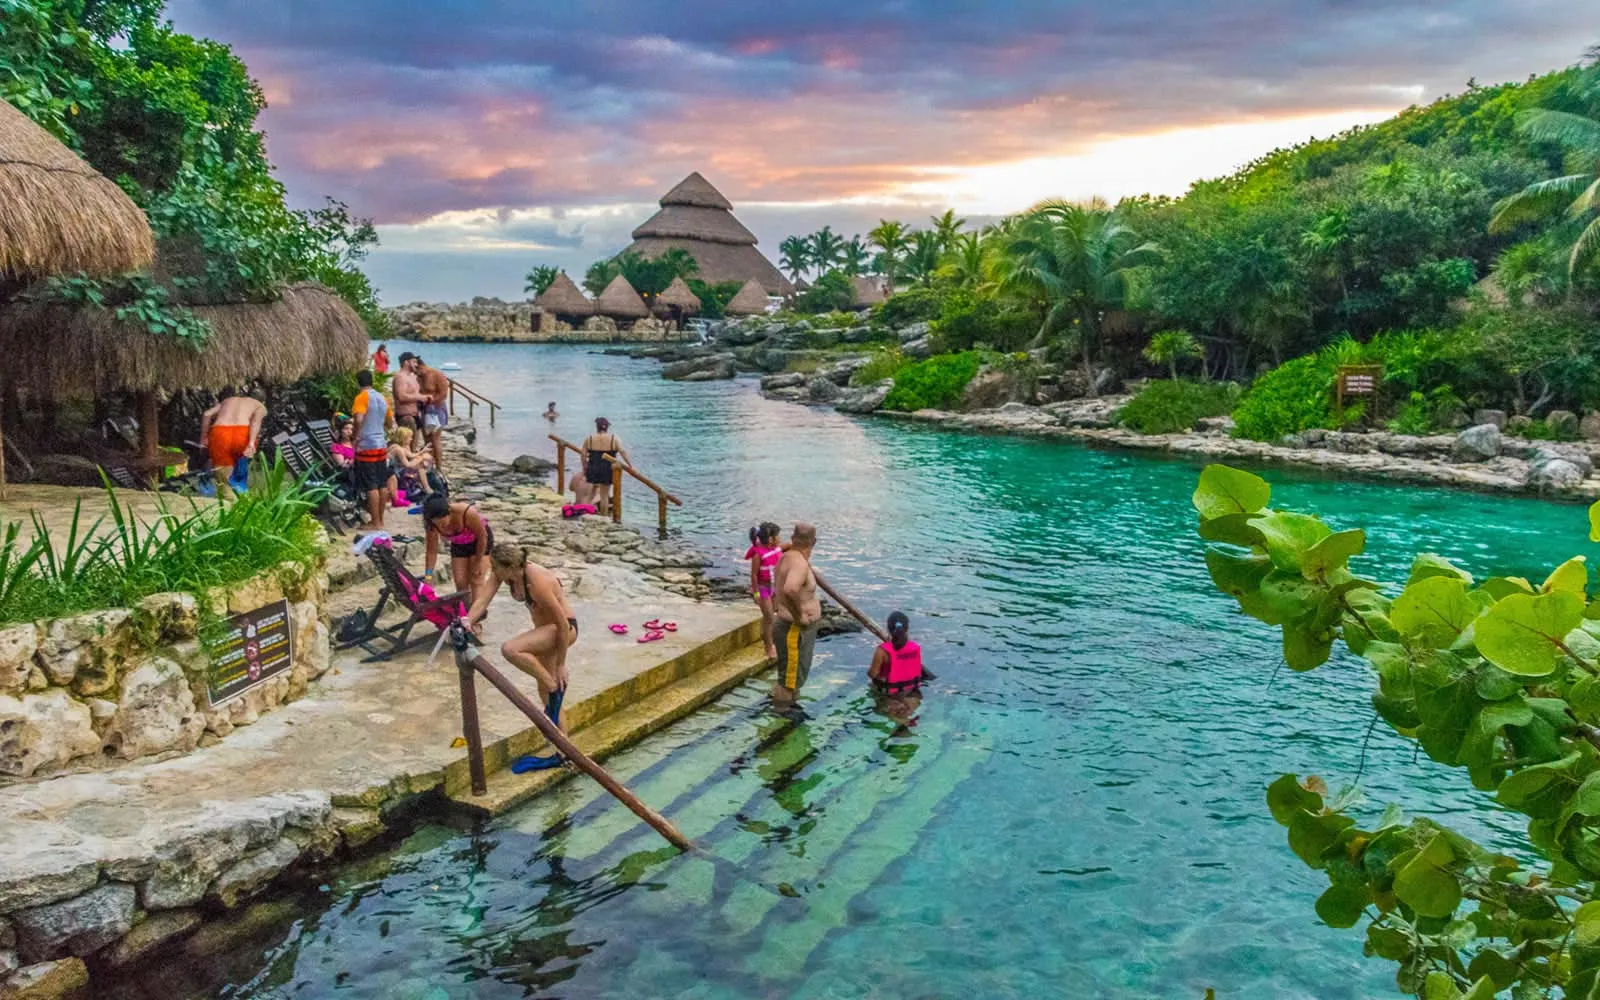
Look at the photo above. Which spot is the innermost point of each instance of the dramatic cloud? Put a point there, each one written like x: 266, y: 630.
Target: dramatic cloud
x: 540, y: 132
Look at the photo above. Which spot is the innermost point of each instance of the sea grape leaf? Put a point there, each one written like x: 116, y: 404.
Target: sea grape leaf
x: 1427, y: 564
x: 1571, y: 575
x: 1584, y: 802
x: 1342, y: 904
x: 1312, y: 835
x: 1291, y: 596
x: 1502, y: 587
x: 1523, y: 634
x: 1423, y: 883
x: 1388, y: 942
x: 1286, y: 797
x: 1479, y: 743
x: 1540, y: 790
x: 1289, y: 536
x: 1333, y: 552
x: 1594, y: 521
x: 1305, y: 649
x: 1234, y: 529
x: 1434, y: 611
x: 1225, y: 490
x: 1584, y: 697
x: 1494, y: 684
x: 1586, y: 925
x: 1240, y: 577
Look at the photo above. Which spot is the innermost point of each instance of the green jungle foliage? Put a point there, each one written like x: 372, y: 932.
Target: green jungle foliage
x: 917, y: 305
x: 1498, y: 677
x: 171, y: 118
x: 1167, y: 406
x: 714, y: 298
x: 831, y: 292
x: 936, y: 383
x: 886, y: 362
x: 648, y: 276
x: 118, y: 559
x: 969, y: 320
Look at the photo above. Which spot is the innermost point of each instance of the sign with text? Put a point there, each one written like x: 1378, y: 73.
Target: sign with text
x: 1358, y: 380
x: 249, y: 649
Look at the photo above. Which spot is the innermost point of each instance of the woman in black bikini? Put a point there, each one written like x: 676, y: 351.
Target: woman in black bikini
x: 540, y: 652
x: 596, y: 470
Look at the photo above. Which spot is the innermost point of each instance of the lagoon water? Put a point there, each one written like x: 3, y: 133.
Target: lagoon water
x: 1078, y: 810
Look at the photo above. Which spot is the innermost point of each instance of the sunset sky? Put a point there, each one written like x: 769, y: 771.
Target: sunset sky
x: 487, y: 136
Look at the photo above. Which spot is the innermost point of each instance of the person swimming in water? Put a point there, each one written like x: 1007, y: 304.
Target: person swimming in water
x: 763, y: 555
x: 550, y: 413
x: 896, y: 670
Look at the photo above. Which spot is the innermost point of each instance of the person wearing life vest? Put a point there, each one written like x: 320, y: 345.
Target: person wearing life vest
x: 897, y: 664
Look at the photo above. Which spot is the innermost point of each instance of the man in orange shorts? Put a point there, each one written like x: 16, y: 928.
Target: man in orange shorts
x: 229, y: 431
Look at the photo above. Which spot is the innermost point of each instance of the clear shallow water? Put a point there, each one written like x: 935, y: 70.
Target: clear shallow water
x: 1078, y: 810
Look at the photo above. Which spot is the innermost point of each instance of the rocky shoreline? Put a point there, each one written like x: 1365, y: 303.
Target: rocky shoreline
x: 495, y: 321
x: 1053, y: 403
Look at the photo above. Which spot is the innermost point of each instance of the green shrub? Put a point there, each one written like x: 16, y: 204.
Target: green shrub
x: 968, y: 321
x: 1295, y: 396
x: 1540, y: 430
x: 118, y: 559
x: 886, y: 363
x: 1172, y: 405
x: 936, y: 383
x: 1424, y: 413
x: 914, y: 305
x: 831, y: 292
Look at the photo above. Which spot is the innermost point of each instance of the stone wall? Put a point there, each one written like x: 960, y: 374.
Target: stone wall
x: 489, y: 320
x: 124, y: 683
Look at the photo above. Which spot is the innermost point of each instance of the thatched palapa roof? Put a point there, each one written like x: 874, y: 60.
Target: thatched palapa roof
x: 677, y: 295
x: 866, y: 292
x: 751, y: 300
x: 620, y: 301
x: 57, y: 215
x: 697, y: 219
x: 88, y: 351
x: 563, y: 298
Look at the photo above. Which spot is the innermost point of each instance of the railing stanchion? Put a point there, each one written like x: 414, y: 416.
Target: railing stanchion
x: 561, y: 468
x: 492, y: 407
x: 661, y: 513
x: 469, y: 726
x: 616, y: 493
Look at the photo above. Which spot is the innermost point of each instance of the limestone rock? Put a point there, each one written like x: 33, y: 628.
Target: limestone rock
x: 251, y: 873
x: 783, y: 380
x: 600, y: 324
x: 1214, y: 425
x: 8, y: 935
x: 357, y: 826
x: 9, y: 963
x: 46, y: 980
x: 865, y: 399
x: 823, y: 389
x: 157, y: 712
x: 723, y: 371
x: 1477, y: 444
x: 1554, y: 475
x: 173, y: 616
x: 1518, y: 424
x: 49, y: 728
x: 85, y: 651
x: 680, y: 370
x: 1496, y: 417
x: 531, y: 465
x: 993, y: 388
x: 914, y: 332
x: 34, y: 874
x: 919, y: 348
x: 1562, y: 423
x: 78, y: 926
x: 17, y: 646
x: 155, y: 931
x: 1589, y: 427
x: 254, y: 593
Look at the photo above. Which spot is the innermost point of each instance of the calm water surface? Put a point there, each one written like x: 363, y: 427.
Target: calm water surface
x: 1077, y: 812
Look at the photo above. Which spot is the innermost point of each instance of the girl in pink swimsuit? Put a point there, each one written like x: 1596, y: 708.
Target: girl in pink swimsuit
x: 763, y: 555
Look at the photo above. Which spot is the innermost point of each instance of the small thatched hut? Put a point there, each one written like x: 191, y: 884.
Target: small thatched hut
x: 563, y: 300
x: 866, y: 292
x: 751, y: 300
x: 697, y: 219
x: 676, y: 302
x: 57, y: 215
x: 620, y: 301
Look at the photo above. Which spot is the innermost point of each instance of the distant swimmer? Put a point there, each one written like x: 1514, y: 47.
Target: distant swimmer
x: 550, y: 413
x: 799, y: 613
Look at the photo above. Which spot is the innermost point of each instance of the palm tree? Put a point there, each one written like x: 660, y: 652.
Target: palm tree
x: 1076, y: 260
x: 794, y: 254
x: 890, y: 239
x: 1171, y: 346
x: 1579, y: 192
x: 539, y: 279
x: 826, y: 249
x: 1325, y: 244
x: 946, y: 228
x: 967, y: 261
x: 923, y: 256
x: 856, y: 257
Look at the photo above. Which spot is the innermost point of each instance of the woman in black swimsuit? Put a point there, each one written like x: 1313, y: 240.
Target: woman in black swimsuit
x: 596, y: 470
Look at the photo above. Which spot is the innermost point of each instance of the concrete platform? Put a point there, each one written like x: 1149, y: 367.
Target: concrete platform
x: 369, y: 735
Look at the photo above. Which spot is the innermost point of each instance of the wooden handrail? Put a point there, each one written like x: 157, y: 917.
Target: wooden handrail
x: 473, y: 399
x: 561, y: 461
x: 618, y: 467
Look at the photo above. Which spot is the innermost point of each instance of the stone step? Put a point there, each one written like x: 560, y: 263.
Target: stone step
x: 615, y: 718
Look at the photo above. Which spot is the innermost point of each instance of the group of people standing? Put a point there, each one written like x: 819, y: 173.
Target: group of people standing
x: 399, y: 442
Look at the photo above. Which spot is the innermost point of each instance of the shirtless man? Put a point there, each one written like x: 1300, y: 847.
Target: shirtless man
x: 799, y: 614
x: 540, y: 652
x: 408, y: 399
x: 435, y: 414
x: 229, y: 431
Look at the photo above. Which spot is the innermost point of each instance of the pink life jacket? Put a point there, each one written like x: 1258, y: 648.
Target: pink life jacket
x: 905, y: 666
x: 578, y: 509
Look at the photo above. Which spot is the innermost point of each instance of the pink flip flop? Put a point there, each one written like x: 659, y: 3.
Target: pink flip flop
x: 653, y: 625
x: 670, y: 626
x: 618, y: 628
x: 652, y: 636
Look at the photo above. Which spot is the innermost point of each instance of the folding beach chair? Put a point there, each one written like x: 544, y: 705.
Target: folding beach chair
x: 321, y: 432
x: 366, y: 628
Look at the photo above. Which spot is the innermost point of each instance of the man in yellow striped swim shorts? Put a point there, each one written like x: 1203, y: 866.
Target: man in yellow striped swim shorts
x: 799, y: 614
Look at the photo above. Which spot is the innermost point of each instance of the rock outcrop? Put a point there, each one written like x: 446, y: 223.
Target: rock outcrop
x: 491, y: 320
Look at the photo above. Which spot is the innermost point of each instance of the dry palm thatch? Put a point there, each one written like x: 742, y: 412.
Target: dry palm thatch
x: 75, y: 351
x: 57, y: 215
x: 677, y: 296
x: 696, y: 190
x: 720, y: 262
x: 751, y: 300
x: 563, y: 298
x: 620, y: 301
x: 866, y: 292
x: 698, y: 220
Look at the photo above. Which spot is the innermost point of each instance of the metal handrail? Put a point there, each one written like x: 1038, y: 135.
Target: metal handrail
x: 473, y: 399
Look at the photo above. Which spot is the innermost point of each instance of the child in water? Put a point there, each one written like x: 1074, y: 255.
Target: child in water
x: 896, y: 670
x: 763, y: 554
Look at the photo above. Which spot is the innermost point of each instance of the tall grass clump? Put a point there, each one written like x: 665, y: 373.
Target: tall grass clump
x: 1172, y: 405
x: 118, y: 559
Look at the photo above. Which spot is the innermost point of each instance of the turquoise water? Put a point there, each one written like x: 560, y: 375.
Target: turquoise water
x: 1077, y: 812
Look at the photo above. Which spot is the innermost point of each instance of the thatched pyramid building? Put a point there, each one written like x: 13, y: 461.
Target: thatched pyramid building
x: 697, y: 219
x: 620, y: 301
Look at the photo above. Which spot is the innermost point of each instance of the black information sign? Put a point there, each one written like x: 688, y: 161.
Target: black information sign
x: 254, y: 647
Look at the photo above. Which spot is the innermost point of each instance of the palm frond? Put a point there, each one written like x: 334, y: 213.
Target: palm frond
x: 1537, y: 200
x: 1574, y: 132
x: 1584, y: 250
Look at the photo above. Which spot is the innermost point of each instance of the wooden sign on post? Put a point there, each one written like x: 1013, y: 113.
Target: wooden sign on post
x: 1356, y: 380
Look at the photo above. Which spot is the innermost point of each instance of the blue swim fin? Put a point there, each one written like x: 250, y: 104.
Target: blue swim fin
x: 552, y: 706
x: 522, y: 765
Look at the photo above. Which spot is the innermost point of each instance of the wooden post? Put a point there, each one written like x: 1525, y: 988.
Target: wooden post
x: 854, y: 612
x: 470, y: 730
x: 579, y: 759
x: 149, y: 425
x: 661, y: 512
x: 492, y: 408
x: 472, y: 408
x: 452, y: 398
x: 2, y: 456
x: 616, y: 493
x: 561, y: 470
